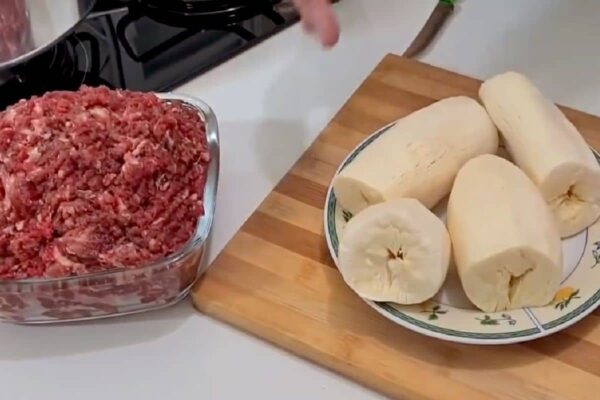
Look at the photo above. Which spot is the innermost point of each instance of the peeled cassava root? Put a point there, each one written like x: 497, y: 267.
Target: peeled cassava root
x: 396, y: 251
x: 505, y: 240
x: 419, y: 156
x: 548, y: 147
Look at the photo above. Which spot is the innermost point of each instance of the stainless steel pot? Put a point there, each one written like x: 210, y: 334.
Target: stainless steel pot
x: 28, y: 27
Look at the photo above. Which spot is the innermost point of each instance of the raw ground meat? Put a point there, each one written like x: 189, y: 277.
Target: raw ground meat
x: 15, y: 32
x: 97, y: 179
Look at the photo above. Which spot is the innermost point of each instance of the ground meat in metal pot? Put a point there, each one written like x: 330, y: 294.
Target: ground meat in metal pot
x: 97, y: 179
x: 15, y: 29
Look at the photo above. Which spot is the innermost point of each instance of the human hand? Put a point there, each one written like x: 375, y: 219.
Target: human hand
x: 318, y: 17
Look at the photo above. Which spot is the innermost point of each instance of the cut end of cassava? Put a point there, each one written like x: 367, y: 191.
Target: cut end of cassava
x: 397, y: 251
x: 573, y: 193
x: 548, y: 148
x: 515, y: 278
x: 505, y: 239
x: 355, y: 195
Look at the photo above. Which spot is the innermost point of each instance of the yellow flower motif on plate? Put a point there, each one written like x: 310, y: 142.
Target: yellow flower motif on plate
x: 564, y: 296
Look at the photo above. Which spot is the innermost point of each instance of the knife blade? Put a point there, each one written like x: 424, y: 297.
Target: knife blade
x: 435, y: 22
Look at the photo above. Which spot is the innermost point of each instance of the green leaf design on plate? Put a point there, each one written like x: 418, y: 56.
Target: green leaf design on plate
x: 433, y: 311
x: 487, y: 320
x: 596, y: 254
x: 347, y: 215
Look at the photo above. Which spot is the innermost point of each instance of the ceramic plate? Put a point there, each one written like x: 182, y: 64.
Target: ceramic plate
x: 450, y: 316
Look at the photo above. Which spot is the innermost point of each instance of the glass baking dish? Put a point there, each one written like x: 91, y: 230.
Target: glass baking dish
x: 121, y: 291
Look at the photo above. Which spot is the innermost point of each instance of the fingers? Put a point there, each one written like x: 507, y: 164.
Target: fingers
x: 318, y: 18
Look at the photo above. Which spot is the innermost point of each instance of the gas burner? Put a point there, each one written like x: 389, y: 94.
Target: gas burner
x: 145, y: 45
x: 206, y: 8
x: 195, y: 17
x: 65, y: 66
x: 204, y: 14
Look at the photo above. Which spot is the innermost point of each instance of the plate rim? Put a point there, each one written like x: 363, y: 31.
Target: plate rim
x: 538, y: 329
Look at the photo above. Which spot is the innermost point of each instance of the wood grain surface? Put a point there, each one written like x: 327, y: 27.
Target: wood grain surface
x: 276, y: 280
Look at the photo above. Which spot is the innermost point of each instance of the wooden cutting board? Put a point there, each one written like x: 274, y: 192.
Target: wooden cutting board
x: 276, y: 280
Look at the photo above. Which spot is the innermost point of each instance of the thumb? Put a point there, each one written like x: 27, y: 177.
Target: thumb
x: 318, y: 17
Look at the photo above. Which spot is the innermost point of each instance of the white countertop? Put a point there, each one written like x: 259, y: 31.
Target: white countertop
x: 272, y: 101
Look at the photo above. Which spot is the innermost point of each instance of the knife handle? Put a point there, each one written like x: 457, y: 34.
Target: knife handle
x: 434, y: 23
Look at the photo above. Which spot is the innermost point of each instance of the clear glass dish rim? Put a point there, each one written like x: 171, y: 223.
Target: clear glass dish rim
x: 204, y: 222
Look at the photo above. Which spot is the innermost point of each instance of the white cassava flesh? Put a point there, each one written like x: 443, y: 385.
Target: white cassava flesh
x: 505, y: 240
x: 395, y: 251
x: 419, y: 156
x: 548, y: 147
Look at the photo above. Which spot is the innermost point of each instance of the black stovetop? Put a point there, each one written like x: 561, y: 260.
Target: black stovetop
x: 147, y: 45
